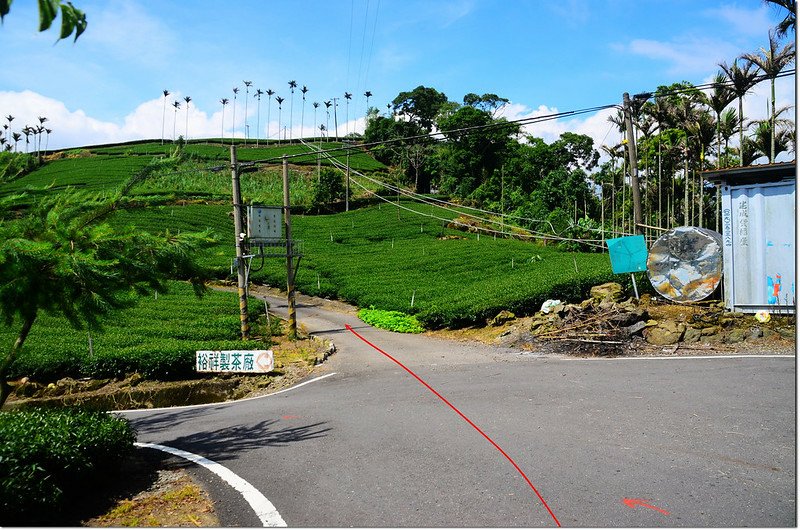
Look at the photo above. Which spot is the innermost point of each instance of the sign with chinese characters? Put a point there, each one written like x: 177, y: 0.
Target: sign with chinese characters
x: 239, y: 361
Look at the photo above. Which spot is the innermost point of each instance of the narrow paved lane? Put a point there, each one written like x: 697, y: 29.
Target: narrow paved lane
x: 689, y: 442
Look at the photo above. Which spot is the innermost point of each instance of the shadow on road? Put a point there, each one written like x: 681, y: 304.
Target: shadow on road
x: 229, y: 442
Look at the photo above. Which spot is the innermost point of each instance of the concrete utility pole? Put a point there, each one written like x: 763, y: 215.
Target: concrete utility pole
x: 287, y: 221
x: 347, y: 183
x: 240, y: 265
x: 632, y: 156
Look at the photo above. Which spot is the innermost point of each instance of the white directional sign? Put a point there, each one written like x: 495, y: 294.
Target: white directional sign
x: 228, y: 361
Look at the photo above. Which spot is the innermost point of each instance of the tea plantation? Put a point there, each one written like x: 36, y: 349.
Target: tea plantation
x: 391, y: 256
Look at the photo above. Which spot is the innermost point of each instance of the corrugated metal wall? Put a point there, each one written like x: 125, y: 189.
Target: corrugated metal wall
x: 758, y: 229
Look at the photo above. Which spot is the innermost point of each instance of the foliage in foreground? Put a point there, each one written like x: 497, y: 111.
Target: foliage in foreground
x: 50, y: 458
x: 61, y: 258
x: 391, y: 320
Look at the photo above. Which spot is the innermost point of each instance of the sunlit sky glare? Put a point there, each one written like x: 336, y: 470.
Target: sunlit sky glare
x: 545, y: 56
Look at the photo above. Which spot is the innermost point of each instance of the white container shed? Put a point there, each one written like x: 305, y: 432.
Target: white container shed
x: 758, y: 237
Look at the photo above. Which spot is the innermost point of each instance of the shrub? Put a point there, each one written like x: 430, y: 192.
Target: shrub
x: 49, y: 458
x: 391, y: 320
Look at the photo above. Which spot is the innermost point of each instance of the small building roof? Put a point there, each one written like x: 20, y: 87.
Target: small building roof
x: 753, y: 174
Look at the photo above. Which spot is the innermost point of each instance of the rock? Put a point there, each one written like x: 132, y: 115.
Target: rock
x: 754, y: 333
x: 711, y: 330
x: 734, y: 336
x: 786, y: 333
x: 502, y: 317
x: 611, y: 291
x: 26, y: 388
x: 635, y: 328
x: 628, y: 318
x: 665, y: 333
x: 692, y: 335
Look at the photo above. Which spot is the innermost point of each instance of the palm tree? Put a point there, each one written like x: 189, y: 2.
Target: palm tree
x: 233, y: 123
x: 224, y: 102
x: 771, y: 62
x: 303, y: 110
x: 164, y: 115
x: 270, y: 93
x: 258, y: 95
x: 316, y: 106
x: 721, y: 96
x: 247, y: 85
x: 280, y: 101
x: 788, y: 23
x: 47, y: 139
x: 728, y: 125
x: 347, y: 96
x: 27, y: 131
x: 177, y: 105
x: 327, y: 117
x: 368, y: 95
x: 16, y: 137
x: 39, y: 131
x: 187, y: 99
x: 742, y: 80
x: 292, y: 86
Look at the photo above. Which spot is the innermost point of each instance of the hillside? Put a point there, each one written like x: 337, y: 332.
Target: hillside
x: 391, y: 253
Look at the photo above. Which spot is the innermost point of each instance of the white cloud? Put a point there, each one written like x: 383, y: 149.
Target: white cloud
x: 685, y: 56
x: 754, y: 22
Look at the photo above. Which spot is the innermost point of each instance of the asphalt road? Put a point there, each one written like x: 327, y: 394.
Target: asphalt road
x: 696, y: 442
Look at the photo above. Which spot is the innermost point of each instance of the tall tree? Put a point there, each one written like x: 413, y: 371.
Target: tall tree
x: 303, y: 110
x: 176, y: 105
x: 790, y: 18
x: 247, y: 85
x: 187, y: 99
x: 280, y: 101
x: 772, y: 61
x: 368, y: 95
x: 270, y: 93
x: 721, y: 96
x: 420, y: 105
x: 347, y: 97
x: 316, y: 106
x: 328, y: 118
x: 233, y: 121
x: 164, y: 115
x: 742, y: 80
x: 258, y: 95
x: 224, y: 102
x: 292, y: 86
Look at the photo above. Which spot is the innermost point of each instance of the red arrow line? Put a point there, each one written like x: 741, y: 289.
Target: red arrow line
x: 632, y: 503
x: 437, y: 394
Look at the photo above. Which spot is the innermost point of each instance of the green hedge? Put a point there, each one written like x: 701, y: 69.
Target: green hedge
x: 51, y: 458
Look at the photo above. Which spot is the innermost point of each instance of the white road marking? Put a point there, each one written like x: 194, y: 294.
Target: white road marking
x: 184, y: 407
x: 265, y: 510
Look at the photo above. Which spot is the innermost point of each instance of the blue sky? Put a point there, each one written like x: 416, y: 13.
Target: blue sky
x: 543, y: 55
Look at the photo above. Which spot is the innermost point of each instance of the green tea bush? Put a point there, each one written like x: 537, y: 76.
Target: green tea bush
x: 49, y: 458
x: 158, y: 338
x: 391, y: 320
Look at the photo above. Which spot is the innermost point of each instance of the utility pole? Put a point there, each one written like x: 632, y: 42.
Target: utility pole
x: 287, y: 221
x: 632, y: 156
x: 347, y: 183
x: 240, y: 266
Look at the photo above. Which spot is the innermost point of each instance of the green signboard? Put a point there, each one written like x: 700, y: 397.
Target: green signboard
x: 628, y: 254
